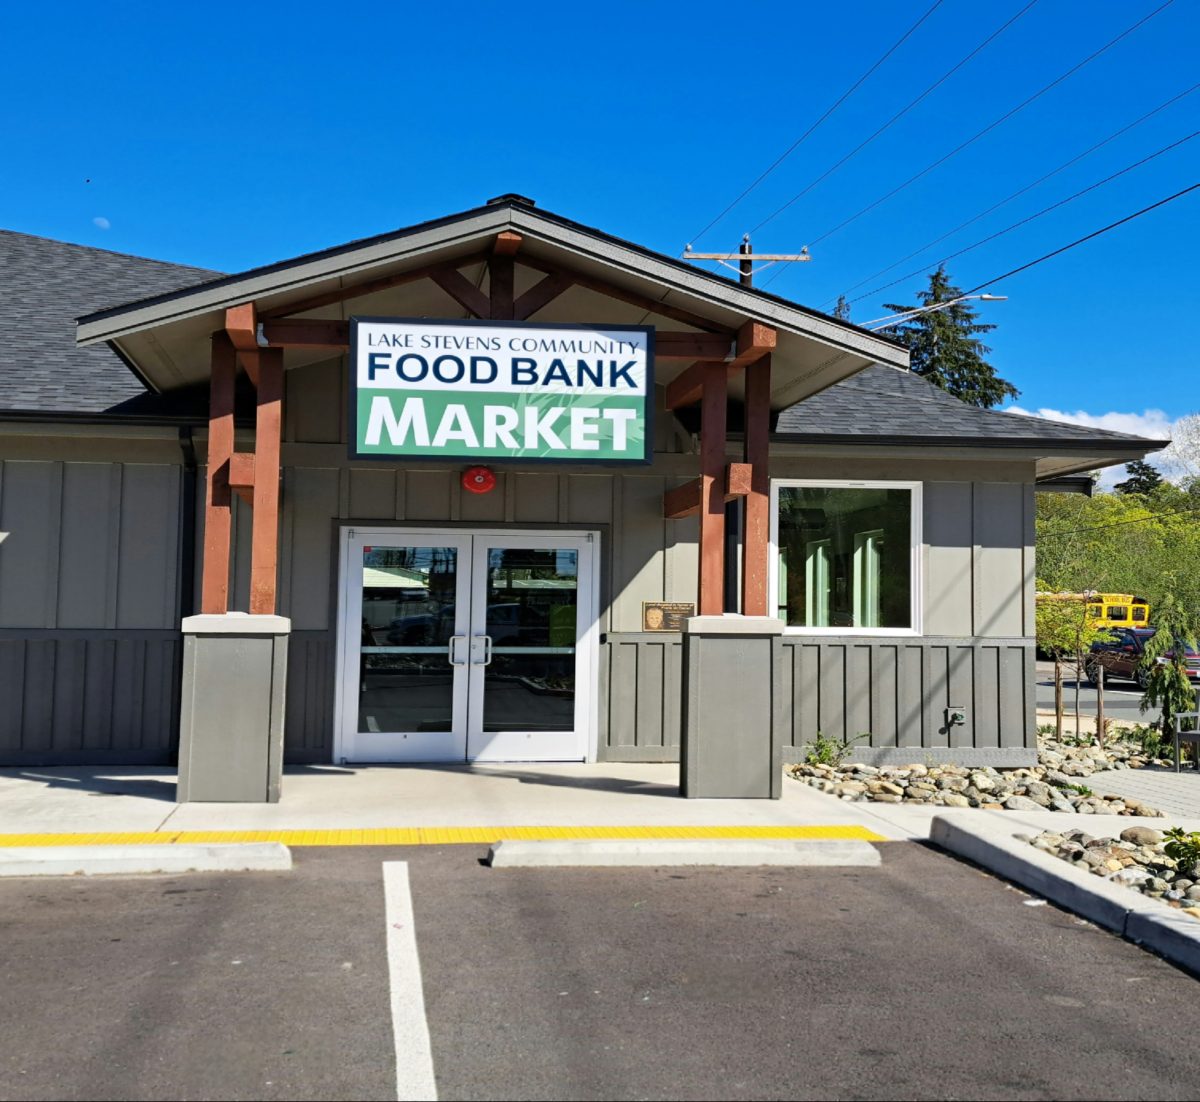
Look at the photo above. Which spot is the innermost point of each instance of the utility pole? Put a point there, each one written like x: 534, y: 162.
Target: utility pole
x: 746, y: 259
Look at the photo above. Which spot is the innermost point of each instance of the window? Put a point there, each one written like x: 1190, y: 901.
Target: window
x: 845, y: 555
x: 1118, y: 612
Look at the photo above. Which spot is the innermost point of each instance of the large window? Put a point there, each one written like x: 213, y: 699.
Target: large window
x: 845, y: 555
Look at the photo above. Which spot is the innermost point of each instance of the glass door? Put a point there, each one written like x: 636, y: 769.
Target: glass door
x: 531, y: 608
x: 404, y: 685
x: 466, y: 646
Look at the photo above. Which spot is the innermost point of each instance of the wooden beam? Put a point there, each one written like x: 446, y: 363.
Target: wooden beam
x: 507, y: 243
x: 756, y: 531
x: 462, y: 290
x: 670, y: 345
x: 500, y: 286
x: 621, y: 295
x: 738, y: 480
x: 684, y: 501
x: 542, y: 293
x: 368, y: 287
x: 712, y: 497
x: 241, y: 475
x: 241, y: 323
x: 754, y: 341
x: 688, y: 386
x: 307, y: 333
x: 264, y: 550
x: 214, y: 584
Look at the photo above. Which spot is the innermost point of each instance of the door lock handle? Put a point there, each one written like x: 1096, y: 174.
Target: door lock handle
x: 486, y: 640
x: 452, y: 650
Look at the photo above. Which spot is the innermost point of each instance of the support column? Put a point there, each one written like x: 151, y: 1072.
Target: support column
x: 756, y: 530
x: 712, y: 491
x: 264, y: 554
x: 214, y: 589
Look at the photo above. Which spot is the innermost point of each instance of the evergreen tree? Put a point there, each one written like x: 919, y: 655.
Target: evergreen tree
x: 842, y: 309
x: 1143, y: 478
x: 944, y: 349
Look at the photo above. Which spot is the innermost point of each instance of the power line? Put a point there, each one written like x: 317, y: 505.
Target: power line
x: 895, y: 118
x: 1016, y: 194
x: 803, y: 137
x: 1030, y: 218
x: 992, y: 126
x: 1087, y: 237
x: 1117, y: 523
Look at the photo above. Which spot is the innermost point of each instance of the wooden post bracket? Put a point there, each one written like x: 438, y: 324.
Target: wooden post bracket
x: 684, y: 501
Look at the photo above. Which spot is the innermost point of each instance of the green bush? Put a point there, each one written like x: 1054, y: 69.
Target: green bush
x: 827, y: 751
x: 1183, y: 847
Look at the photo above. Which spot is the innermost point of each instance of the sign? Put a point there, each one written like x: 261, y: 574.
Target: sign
x: 666, y: 615
x: 501, y: 390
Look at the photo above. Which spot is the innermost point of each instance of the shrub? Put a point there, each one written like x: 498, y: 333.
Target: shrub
x: 827, y: 751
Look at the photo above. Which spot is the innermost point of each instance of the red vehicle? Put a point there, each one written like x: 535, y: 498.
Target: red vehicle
x: 1122, y: 658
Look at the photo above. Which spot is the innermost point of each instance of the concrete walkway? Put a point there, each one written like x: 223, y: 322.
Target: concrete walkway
x: 473, y: 803
x: 1177, y: 794
x: 420, y: 804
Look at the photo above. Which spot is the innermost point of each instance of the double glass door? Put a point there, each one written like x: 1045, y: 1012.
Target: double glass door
x: 461, y: 646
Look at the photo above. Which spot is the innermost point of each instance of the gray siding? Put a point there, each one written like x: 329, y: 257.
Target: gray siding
x: 895, y: 690
x: 88, y: 696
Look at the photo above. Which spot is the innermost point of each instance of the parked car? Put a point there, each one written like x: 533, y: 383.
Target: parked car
x: 1122, y: 658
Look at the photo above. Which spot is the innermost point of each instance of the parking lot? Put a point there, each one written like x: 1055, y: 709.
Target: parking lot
x: 925, y: 978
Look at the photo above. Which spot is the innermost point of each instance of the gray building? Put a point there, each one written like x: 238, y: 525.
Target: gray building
x: 175, y: 445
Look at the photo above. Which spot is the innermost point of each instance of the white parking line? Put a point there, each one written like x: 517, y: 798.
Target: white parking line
x: 410, y: 1029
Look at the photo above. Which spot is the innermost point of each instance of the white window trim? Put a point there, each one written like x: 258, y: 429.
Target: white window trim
x: 916, y: 538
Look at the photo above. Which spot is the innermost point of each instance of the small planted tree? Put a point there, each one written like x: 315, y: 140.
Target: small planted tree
x: 1064, y: 629
x: 1165, y: 664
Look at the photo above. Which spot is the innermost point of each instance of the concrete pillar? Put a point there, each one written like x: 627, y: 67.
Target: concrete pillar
x: 231, y: 711
x: 732, y: 738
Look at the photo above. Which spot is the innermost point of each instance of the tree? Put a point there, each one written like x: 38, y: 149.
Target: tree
x: 842, y: 309
x: 1165, y: 663
x: 1143, y: 479
x: 944, y: 348
x: 1064, y: 628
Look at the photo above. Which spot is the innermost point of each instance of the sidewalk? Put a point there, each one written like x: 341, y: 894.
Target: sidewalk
x: 410, y: 805
x: 333, y: 805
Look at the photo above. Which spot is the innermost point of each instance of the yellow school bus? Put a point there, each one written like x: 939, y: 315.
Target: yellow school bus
x: 1109, y: 610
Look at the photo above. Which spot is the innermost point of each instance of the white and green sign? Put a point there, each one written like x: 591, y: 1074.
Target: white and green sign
x: 501, y: 390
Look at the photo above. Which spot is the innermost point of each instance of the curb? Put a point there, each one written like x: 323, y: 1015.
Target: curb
x: 637, y: 853
x: 993, y: 845
x: 142, y: 860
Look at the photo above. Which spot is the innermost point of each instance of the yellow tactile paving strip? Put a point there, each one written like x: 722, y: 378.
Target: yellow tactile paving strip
x: 436, y: 836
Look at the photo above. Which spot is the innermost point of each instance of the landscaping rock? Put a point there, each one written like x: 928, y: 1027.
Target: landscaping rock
x: 1047, y: 786
x: 1142, y: 836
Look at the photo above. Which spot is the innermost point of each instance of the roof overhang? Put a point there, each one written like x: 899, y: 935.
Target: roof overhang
x: 1052, y: 459
x: 165, y: 339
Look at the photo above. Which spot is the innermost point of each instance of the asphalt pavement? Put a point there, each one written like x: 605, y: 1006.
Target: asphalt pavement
x: 924, y: 978
x: 1121, y: 698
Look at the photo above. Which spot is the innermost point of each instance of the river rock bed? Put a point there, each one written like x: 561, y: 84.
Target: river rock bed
x: 1054, y: 784
x: 1135, y: 860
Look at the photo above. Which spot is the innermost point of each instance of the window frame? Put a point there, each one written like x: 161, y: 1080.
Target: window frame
x: 916, y: 542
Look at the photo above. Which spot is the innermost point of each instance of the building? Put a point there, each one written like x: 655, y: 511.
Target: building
x: 194, y: 446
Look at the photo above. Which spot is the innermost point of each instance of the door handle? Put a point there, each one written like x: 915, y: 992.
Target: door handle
x: 486, y: 640
x: 452, y: 650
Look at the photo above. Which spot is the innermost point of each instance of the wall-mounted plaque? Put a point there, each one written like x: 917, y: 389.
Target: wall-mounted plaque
x: 666, y: 615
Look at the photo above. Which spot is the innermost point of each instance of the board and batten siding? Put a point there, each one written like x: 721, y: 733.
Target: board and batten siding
x: 89, y: 633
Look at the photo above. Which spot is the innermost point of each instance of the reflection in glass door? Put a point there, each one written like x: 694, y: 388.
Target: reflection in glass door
x: 466, y: 646
x: 525, y: 618
x: 409, y: 601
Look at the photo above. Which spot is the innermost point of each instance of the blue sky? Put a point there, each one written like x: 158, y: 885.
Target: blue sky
x: 228, y: 135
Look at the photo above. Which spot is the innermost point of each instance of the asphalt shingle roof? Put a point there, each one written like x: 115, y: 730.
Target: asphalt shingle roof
x: 44, y: 286
x: 887, y: 402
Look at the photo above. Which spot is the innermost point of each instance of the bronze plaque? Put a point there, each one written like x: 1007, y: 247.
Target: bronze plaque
x: 666, y: 615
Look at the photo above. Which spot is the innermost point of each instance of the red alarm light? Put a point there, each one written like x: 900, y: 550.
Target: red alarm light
x: 479, y: 480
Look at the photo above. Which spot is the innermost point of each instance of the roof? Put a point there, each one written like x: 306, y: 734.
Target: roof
x: 884, y: 405
x: 165, y: 336
x: 46, y: 285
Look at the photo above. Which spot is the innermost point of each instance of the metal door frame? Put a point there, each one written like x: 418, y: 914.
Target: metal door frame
x: 587, y: 656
